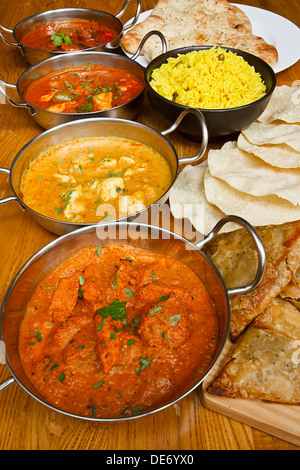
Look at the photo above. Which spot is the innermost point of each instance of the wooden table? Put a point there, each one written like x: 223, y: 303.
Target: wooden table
x: 27, y: 425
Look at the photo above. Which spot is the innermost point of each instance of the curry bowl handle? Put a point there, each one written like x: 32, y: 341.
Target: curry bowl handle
x: 6, y: 383
x: 258, y: 244
x: 135, y: 18
x: 9, y: 198
x: 10, y: 31
x: 146, y: 37
x: 3, y: 85
x: 204, y: 143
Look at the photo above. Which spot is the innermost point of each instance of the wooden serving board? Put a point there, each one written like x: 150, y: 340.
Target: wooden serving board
x: 282, y: 421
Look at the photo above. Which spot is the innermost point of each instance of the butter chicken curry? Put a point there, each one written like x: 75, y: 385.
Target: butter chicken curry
x: 115, y: 331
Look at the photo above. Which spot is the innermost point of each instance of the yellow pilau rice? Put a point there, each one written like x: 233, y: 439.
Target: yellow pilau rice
x: 208, y: 79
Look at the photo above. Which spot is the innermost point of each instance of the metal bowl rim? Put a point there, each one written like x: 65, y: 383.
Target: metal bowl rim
x: 76, y: 233
x: 45, y: 13
x: 90, y: 54
x: 86, y: 122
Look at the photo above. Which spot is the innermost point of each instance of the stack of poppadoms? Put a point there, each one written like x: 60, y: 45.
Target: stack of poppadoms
x: 256, y: 177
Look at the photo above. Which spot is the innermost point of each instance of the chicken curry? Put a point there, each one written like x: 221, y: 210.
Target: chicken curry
x: 115, y: 331
x: 83, y: 89
x: 68, y: 35
x: 88, y: 180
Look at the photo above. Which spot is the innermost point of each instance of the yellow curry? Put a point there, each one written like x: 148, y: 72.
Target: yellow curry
x: 87, y: 180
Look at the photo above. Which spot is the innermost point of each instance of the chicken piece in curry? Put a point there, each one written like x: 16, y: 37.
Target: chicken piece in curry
x: 89, y: 180
x: 115, y: 331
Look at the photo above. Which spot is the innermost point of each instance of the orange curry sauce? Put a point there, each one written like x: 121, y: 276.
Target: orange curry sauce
x: 115, y: 331
x: 68, y: 35
x: 82, y: 89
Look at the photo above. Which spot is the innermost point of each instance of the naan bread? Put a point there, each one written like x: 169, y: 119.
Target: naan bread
x: 236, y: 259
x: 265, y: 363
x: 195, y: 23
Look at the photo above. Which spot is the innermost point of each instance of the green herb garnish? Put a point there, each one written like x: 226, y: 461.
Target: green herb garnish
x: 116, y: 310
x: 144, y: 363
x: 58, y: 38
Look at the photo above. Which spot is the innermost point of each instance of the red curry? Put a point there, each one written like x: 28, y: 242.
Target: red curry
x: 69, y: 35
x: 82, y: 89
x: 115, y: 331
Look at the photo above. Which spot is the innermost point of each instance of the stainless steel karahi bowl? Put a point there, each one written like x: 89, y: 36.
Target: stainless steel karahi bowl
x: 98, y: 127
x: 29, y: 24
x: 139, y: 236
x: 48, y: 119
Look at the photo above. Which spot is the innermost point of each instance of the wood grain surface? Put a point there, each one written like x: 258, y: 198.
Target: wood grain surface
x: 25, y: 424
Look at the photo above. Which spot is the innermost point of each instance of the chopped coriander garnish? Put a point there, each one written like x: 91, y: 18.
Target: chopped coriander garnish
x: 136, y: 409
x: 114, y: 285
x: 144, y: 363
x: 54, y: 366
x: 81, y: 292
x: 130, y: 342
x: 116, y: 310
x: 128, y: 293
x: 38, y: 336
x: 98, y: 384
x: 155, y: 309
x: 98, y: 250
x: 58, y: 38
x: 164, y: 297
x: 174, y: 320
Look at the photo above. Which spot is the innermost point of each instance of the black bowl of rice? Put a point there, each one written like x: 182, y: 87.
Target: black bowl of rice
x: 230, y: 87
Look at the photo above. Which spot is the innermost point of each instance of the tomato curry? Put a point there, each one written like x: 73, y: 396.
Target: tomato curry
x: 115, y: 330
x: 88, y: 180
x: 68, y: 35
x: 83, y: 89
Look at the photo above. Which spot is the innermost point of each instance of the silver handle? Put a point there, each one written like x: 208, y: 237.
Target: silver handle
x: 124, y: 7
x: 259, y: 248
x: 147, y: 36
x: 9, y: 43
x: 136, y: 16
x: 9, y: 198
x: 3, y: 85
x: 6, y: 383
x: 204, y: 142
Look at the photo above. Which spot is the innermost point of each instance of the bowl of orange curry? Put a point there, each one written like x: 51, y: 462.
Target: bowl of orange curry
x: 96, y: 171
x: 114, y: 322
x: 79, y: 85
x: 64, y: 30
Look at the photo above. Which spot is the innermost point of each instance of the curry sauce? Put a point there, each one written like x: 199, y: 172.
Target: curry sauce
x: 95, y: 179
x: 115, y: 331
x: 83, y: 89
